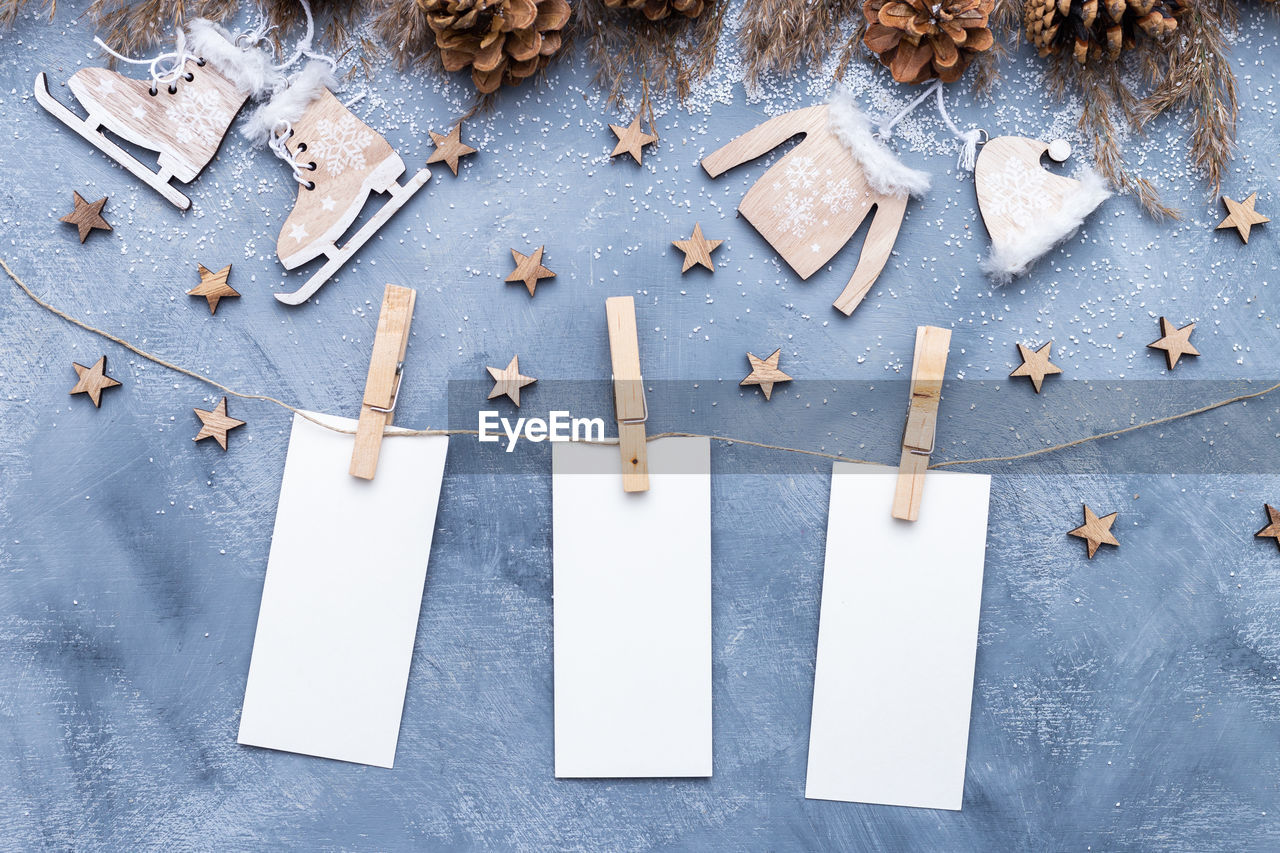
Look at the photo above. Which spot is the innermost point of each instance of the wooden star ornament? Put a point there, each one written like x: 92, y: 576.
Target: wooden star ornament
x: 631, y: 139
x: 1175, y: 342
x: 93, y: 380
x: 765, y: 373
x: 529, y: 269
x: 86, y: 216
x: 1241, y: 215
x: 1036, y: 365
x: 1272, y: 530
x: 449, y: 147
x: 697, y: 249
x: 213, y: 286
x: 1096, y: 531
x: 215, y: 424
x: 509, y: 380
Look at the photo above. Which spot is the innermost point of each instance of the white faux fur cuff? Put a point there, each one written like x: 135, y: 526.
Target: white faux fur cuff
x: 289, y: 105
x: 886, y: 174
x: 1015, y: 254
x: 250, y: 68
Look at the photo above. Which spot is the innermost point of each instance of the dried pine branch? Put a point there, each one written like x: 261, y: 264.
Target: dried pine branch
x: 674, y: 53
x: 783, y: 35
x: 1195, y: 73
x: 10, y: 9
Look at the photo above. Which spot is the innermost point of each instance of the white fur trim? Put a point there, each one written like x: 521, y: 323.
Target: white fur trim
x: 886, y: 174
x: 1014, y: 257
x: 248, y: 68
x: 290, y: 104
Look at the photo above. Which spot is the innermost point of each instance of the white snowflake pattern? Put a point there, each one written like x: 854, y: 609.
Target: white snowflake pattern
x: 795, y: 214
x: 1017, y: 191
x: 842, y: 197
x: 801, y: 172
x: 193, y: 115
x: 341, y: 144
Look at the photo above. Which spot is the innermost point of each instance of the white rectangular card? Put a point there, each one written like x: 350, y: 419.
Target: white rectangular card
x: 897, y: 639
x: 341, y: 597
x: 632, y: 610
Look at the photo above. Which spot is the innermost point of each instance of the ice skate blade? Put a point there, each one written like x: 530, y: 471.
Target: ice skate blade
x: 87, y: 128
x: 339, y: 256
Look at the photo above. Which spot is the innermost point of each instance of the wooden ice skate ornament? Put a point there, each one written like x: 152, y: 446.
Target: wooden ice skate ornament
x: 628, y: 392
x: 812, y: 201
x: 338, y: 161
x: 927, y: 371
x: 382, y: 387
x: 1027, y: 209
x: 182, y: 113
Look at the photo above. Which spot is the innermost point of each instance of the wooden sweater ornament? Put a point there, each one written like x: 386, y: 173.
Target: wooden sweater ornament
x: 809, y: 203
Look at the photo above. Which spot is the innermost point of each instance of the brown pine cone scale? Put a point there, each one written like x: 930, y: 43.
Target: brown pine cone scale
x: 656, y: 10
x: 919, y: 40
x: 1097, y: 30
x: 501, y: 41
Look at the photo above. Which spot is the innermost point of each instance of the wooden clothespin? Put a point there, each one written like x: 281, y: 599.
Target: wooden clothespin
x: 628, y: 392
x: 927, y: 371
x: 386, y: 369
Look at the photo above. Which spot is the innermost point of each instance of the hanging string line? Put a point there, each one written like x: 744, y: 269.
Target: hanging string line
x: 22, y: 285
x: 969, y: 139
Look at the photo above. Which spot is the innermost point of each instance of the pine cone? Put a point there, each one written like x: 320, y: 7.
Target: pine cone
x: 1097, y: 29
x: 503, y: 41
x: 921, y: 39
x: 656, y: 10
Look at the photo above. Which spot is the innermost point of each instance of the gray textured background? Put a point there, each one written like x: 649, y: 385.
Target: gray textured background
x: 1125, y: 703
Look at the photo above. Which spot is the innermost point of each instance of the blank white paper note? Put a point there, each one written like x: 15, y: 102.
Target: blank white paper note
x: 897, y: 639
x: 632, y: 612
x: 342, y: 594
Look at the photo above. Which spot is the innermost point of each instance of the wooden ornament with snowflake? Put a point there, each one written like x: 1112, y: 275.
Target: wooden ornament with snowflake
x: 812, y: 201
x: 337, y: 161
x: 1027, y: 209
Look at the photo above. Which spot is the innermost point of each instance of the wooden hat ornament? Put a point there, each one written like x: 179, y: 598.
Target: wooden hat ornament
x: 628, y: 392
x: 337, y: 161
x: 1027, y: 209
x: 382, y: 387
x: 182, y: 112
x: 811, y: 201
x: 928, y: 369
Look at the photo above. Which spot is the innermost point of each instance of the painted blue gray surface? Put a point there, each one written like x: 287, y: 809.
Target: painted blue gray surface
x: 1130, y: 702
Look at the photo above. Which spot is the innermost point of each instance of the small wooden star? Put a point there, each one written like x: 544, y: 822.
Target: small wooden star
x: 697, y: 249
x: 1241, y: 215
x: 216, y: 423
x: 93, y: 380
x: 529, y: 269
x: 765, y: 372
x: 1272, y: 530
x: 1096, y: 531
x: 449, y: 147
x: 86, y: 216
x: 1175, y: 342
x: 213, y: 286
x: 631, y: 139
x: 509, y: 380
x: 1036, y: 365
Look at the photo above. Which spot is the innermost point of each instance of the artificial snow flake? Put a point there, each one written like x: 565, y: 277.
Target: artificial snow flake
x: 1018, y: 191
x: 795, y: 213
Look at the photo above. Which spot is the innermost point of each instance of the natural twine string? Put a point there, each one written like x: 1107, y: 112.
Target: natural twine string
x: 22, y: 285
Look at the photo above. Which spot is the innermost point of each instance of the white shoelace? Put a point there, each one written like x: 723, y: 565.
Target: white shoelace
x: 969, y: 139
x: 280, y: 135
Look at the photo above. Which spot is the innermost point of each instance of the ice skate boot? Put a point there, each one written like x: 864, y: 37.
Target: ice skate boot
x: 337, y: 160
x: 182, y: 112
